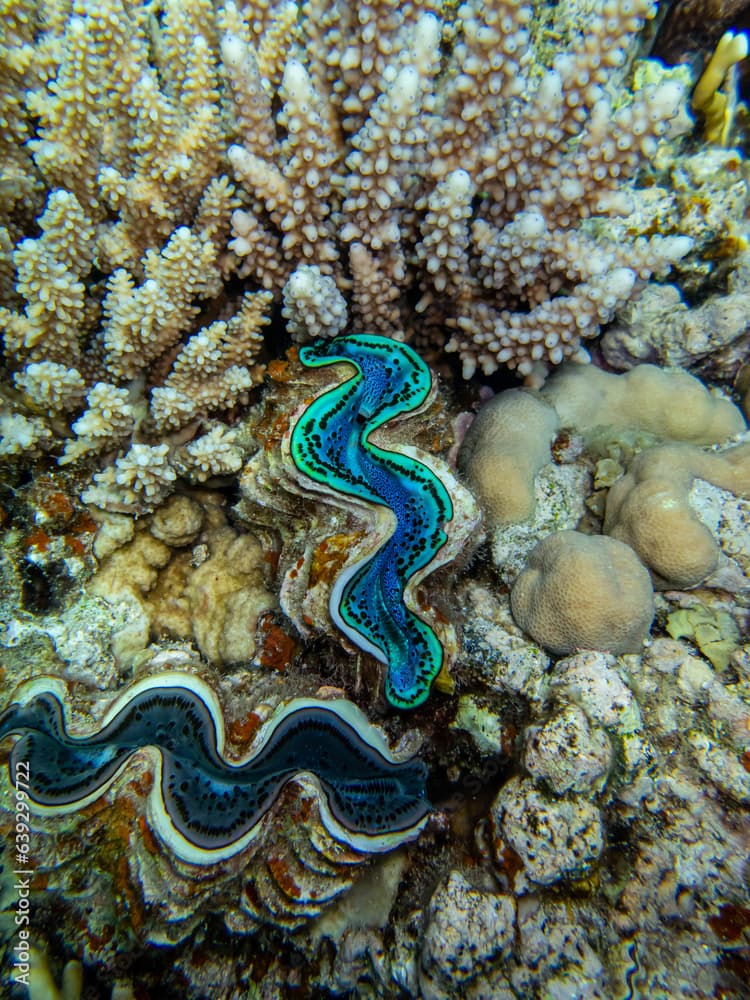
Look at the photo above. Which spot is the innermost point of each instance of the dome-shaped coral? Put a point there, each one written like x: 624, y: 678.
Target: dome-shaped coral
x: 584, y: 592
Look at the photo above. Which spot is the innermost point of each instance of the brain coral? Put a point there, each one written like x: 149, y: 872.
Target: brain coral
x: 584, y: 592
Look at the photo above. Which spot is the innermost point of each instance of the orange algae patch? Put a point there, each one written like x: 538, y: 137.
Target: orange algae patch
x: 280, y: 370
x: 294, y: 571
x: 509, y: 862
x: 280, y: 871
x: 271, y: 556
x: 84, y: 524
x: 75, y: 545
x: 143, y: 784
x: 331, y: 555
x: 149, y: 841
x: 57, y: 505
x: 124, y: 889
x: 37, y: 539
x: 243, y: 730
x: 275, y: 647
x: 276, y: 431
x: 301, y: 809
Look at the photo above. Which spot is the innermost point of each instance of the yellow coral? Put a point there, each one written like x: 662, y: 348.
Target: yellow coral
x: 715, y: 632
x: 715, y: 104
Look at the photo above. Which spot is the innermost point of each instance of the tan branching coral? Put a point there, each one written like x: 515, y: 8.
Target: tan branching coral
x: 313, y: 306
x: 49, y: 273
x: 463, y: 185
x: 107, y: 422
x: 50, y: 386
x: 209, y: 373
x: 138, y: 481
x: 213, y: 454
x: 125, y: 119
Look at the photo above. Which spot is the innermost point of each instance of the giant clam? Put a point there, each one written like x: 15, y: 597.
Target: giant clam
x: 365, y: 518
x: 287, y: 822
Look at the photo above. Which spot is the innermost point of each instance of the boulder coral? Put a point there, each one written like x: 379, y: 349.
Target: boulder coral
x: 584, y: 592
x: 670, y: 404
x: 506, y: 445
x: 649, y: 509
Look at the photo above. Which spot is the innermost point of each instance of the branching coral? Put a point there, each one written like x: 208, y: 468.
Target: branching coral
x: 418, y: 154
x: 192, y: 187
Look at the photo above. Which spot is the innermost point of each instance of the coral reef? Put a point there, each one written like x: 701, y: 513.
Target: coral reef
x: 374, y: 562
x: 120, y: 243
